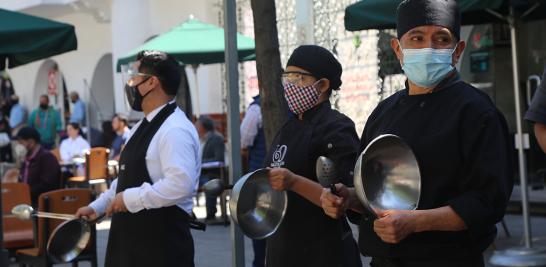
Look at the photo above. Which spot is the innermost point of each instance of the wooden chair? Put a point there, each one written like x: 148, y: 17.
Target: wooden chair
x: 96, y: 168
x: 17, y: 233
x: 59, y: 201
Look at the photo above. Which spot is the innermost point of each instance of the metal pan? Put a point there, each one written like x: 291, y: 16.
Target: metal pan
x: 70, y: 238
x: 255, y: 206
x: 386, y: 175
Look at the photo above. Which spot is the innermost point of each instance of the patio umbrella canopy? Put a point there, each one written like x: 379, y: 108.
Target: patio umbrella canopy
x: 194, y: 42
x: 380, y: 14
x: 27, y: 38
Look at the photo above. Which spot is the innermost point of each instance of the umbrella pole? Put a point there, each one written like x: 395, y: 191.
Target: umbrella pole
x: 194, y: 67
x: 234, y: 141
x: 521, y: 153
x: 527, y: 255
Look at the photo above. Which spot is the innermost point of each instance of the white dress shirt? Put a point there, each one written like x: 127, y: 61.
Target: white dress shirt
x: 174, y: 166
x: 250, y: 125
x: 71, y: 148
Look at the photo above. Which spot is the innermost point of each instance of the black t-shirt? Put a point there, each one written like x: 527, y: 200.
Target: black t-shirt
x: 462, y: 146
x: 537, y: 110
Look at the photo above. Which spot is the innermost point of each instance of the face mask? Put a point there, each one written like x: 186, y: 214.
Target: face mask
x: 300, y: 98
x: 44, y: 106
x: 134, y: 97
x: 427, y: 67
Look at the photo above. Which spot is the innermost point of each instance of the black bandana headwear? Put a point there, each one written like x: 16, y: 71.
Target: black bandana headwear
x: 415, y: 13
x: 318, y: 61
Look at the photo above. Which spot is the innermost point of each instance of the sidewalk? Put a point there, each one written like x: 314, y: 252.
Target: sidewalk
x: 213, y: 247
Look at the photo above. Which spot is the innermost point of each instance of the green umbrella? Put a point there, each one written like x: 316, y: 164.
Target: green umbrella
x: 381, y: 14
x: 28, y: 38
x: 193, y: 42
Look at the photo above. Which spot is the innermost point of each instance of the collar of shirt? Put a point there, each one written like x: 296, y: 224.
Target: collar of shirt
x: 154, y: 112
x: 311, y: 113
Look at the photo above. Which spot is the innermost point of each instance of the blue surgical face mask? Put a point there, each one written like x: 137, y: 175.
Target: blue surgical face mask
x: 427, y: 67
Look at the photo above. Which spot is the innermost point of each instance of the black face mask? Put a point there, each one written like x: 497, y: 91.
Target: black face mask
x: 134, y: 97
x: 44, y: 106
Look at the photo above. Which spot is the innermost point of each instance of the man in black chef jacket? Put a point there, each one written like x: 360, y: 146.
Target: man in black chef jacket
x: 461, y: 143
x: 159, y: 169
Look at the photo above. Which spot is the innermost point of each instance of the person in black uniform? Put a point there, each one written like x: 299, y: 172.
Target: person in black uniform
x: 152, y: 197
x: 461, y: 143
x: 307, y: 237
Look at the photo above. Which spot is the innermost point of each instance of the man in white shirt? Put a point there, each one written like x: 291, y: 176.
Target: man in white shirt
x: 152, y: 198
x: 120, y: 126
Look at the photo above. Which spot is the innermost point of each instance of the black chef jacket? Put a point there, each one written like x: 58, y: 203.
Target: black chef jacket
x: 307, y: 236
x: 462, y: 145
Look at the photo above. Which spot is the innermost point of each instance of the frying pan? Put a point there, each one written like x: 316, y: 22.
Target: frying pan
x: 68, y: 239
x: 387, y: 176
x: 255, y: 206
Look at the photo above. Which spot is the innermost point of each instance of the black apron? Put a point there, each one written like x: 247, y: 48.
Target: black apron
x: 307, y: 236
x: 155, y: 237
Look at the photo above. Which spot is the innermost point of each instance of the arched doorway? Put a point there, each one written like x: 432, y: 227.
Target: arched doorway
x: 100, y: 96
x: 50, y: 81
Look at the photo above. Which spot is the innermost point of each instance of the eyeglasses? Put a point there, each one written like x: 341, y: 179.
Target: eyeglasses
x: 132, y: 77
x: 295, y: 77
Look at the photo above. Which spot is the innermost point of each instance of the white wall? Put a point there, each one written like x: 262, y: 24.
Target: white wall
x: 132, y: 22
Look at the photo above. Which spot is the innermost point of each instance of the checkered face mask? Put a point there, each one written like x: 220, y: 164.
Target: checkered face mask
x: 300, y: 98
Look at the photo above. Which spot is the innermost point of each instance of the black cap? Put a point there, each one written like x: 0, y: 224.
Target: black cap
x: 27, y: 133
x: 415, y: 13
x: 318, y: 61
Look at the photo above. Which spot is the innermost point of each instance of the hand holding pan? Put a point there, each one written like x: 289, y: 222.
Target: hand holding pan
x: 68, y: 239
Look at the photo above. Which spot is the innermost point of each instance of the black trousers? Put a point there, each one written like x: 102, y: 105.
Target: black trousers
x: 469, y: 262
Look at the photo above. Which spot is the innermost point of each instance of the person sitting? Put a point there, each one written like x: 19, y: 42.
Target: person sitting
x: 120, y: 127
x: 40, y: 170
x: 212, y: 150
x: 73, y: 146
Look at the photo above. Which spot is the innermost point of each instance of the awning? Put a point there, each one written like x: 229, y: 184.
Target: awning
x: 25, y: 38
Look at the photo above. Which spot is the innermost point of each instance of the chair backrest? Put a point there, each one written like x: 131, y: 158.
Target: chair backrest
x: 57, y: 153
x: 14, y: 194
x: 96, y: 163
x: 66, y: 201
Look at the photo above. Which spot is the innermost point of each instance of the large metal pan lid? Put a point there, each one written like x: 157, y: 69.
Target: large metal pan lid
x: 387, y: 175
x: 255, y: 206
x: 68, y: 240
